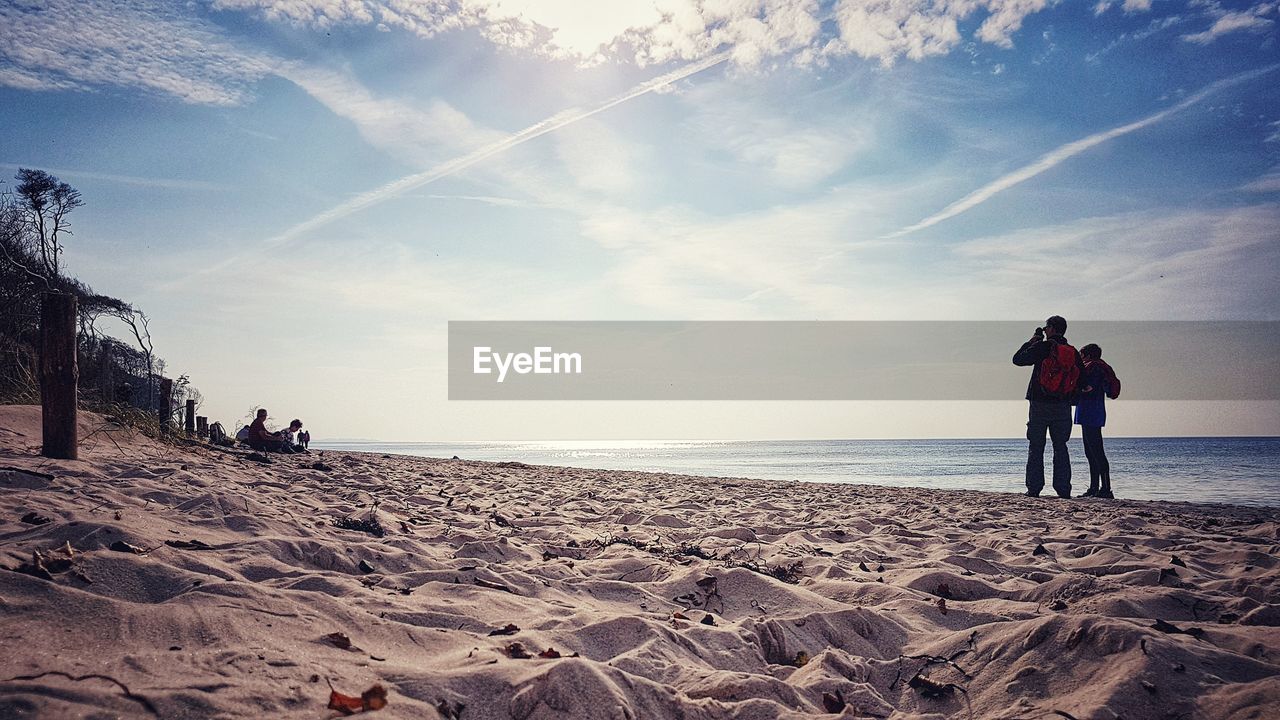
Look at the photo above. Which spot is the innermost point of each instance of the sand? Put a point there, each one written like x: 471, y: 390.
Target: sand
x: 663, y: 596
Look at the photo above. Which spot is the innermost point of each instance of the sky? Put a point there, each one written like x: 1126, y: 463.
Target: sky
x: 302, y: 193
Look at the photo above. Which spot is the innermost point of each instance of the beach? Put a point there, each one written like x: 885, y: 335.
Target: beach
x: 179, y: 580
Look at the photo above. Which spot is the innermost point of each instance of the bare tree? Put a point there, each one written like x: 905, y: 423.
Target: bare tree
x: 15, y: 243
x: 94, y: 307
x: 44, y: 203
x: 183, y: 391
x: 138, y: 322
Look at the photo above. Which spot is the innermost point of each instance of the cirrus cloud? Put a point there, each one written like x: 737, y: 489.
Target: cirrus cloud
x: 1254, y: 20
x: 74, y: 44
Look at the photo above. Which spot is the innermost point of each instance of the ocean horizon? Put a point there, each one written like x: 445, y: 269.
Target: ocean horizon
x: 1234, y: 470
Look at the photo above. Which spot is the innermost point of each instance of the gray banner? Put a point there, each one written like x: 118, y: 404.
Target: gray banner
x: 844, y: 360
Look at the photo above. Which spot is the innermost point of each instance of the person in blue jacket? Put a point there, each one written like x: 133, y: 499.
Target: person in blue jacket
x: 1097, y: 383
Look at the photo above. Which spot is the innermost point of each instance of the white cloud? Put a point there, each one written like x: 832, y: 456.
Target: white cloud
x: 322, y: 13
x: 1006, y: 19
x: 1155, y: 26
x: 660, y: 31
x: 599, y: 160
x: 24, y: 79
x: 886, y: 30
x: 66, y: 44
x: 679, y: 262
x: 168, y: 48
x: 574, y: 27
x: 789, y: 151
x: 1129, y: 6
x: 801, y: 157
x: 1269, y: 183
x: 1228, y: 22
x: 1189, y: 264
x: 421, y: 133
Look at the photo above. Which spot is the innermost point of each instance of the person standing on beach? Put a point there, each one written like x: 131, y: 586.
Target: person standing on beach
x: 1050, y: 392
x: 1100, y: 382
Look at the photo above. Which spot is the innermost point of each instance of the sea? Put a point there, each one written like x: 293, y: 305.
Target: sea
x: 1236, y: 470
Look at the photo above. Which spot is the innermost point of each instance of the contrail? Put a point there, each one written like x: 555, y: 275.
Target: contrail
x: 445, y: 169
x: 449, y: 167
x: 984, y: 193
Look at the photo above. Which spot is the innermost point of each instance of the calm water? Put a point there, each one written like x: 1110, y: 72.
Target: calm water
x: 1243, y: 471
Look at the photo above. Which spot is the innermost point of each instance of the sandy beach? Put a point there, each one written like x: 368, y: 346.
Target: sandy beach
x: 159, y: 580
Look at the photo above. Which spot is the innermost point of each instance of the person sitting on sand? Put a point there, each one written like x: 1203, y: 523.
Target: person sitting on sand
x: 1100, y: 382
x: 292, y: 437
x: 260, y: 438
x: 1051, y: 392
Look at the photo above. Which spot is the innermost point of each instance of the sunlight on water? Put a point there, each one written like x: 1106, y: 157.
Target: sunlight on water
x: 1242, y: 471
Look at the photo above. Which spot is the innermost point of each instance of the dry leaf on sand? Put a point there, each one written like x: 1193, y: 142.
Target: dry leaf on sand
x: 375, y: 698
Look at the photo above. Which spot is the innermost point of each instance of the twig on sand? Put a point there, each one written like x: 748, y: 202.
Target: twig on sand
x: 42, y: 475
x: 754, y: 561
x: 931, y: 688
x: 103, y: 429
x: 144, y: 702
x: 493, y: 585
x: 650, y: 566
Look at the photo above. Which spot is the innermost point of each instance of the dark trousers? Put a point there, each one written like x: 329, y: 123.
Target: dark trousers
x: 1099, y: 468
x: 1056, y: 419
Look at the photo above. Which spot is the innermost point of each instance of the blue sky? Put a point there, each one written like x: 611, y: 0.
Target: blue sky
x: 684, y: 159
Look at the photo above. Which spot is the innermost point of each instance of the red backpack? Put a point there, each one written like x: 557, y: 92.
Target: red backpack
x: 1112, y: 382
x: 1059, y: 375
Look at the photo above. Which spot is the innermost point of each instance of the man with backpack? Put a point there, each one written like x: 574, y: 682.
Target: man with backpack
x: 1051, y: 392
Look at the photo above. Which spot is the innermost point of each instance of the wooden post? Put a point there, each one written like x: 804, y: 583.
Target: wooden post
x: 165, y: 407
x: 59, y: 376
x: 202, y: 426
x: 190, y: 425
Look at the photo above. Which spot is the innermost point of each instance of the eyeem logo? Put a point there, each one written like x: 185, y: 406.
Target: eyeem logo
x: 542, y: 362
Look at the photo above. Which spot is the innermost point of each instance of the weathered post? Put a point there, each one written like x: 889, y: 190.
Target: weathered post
x: 59, y: 376
x: 202, y: 426
x: 165, y: 406
x: 190, y: 425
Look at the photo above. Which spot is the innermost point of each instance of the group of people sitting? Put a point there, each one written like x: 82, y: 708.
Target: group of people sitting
x: 292, y: 439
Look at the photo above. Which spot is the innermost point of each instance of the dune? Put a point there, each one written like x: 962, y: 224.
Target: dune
x: 169, y: 580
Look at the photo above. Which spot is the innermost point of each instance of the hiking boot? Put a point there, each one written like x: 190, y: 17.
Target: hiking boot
x: 1031, y: 494
x: 1105, y: 494
x: 1091, y: 492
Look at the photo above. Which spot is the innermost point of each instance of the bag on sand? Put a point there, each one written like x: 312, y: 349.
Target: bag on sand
x: 1059, y: 373
x: 218, y: 436
x: 243, y: 434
